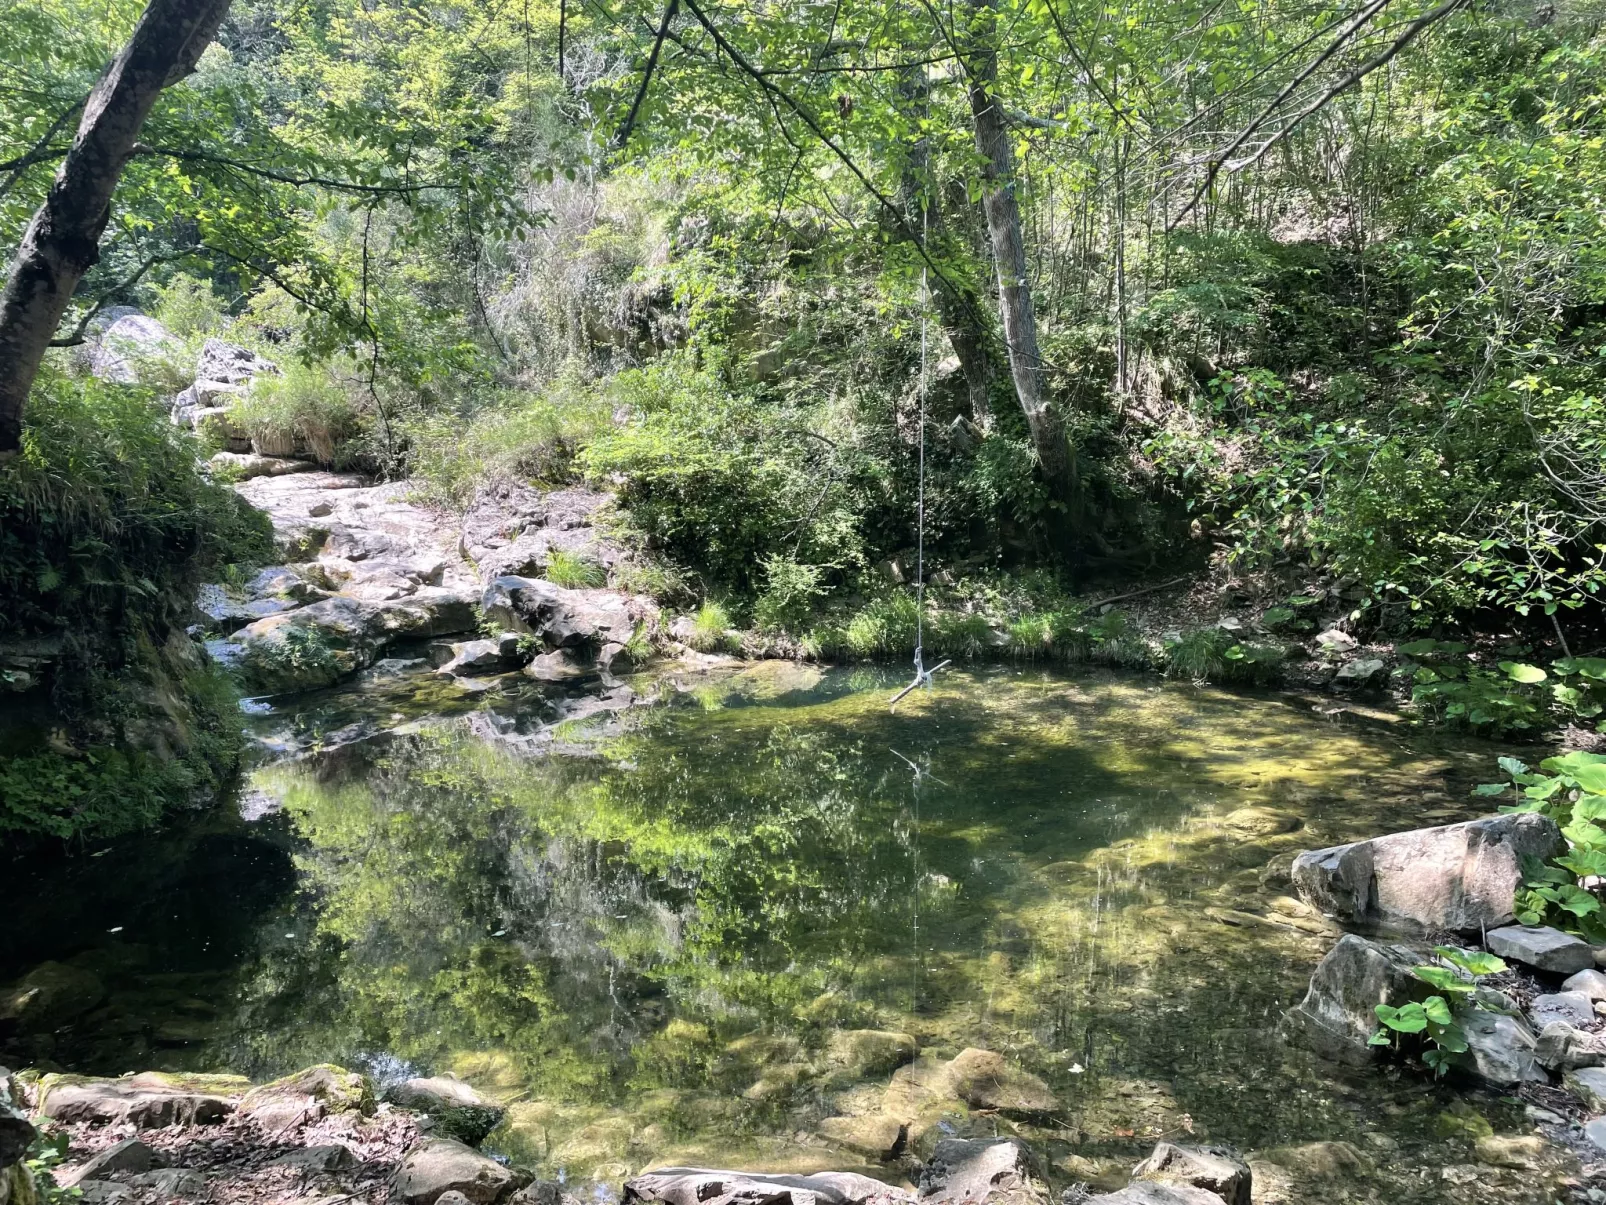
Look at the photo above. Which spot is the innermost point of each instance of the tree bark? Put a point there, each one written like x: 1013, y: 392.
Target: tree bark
x: 959, y: 309
x: 63, y: 240
x: 1009, y: 255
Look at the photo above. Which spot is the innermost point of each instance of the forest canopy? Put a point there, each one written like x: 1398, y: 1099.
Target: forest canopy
x: 1288, y: 288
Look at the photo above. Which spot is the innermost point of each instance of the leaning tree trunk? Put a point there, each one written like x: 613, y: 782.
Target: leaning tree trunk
x: 63, y: 240
x: 1009, y: 255
x: 959, y: 308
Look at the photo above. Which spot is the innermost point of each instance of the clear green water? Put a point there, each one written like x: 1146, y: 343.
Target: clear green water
x: 640, y: 927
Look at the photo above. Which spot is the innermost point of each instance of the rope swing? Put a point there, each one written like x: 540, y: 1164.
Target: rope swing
x: 922, y: 674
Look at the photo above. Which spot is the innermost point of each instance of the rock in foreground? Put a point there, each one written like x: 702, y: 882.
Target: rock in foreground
x: 1338, y: 1017
x: 704, y: 1186
x: 1461, y: 877
x: 1214, y: 1171
x: 1542, y: 948
x: 439, y: 1165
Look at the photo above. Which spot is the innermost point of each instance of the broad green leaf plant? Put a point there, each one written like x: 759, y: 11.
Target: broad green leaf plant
x: 1571, y: 790
x: 1455, y: 980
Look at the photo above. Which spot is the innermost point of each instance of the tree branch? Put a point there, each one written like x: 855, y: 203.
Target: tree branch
x: 1217, y: 161
x: 623, y: 136
x: 128, y: 282
x: 41, y: 151
x: 266, y: 173
x: 1412, y: 29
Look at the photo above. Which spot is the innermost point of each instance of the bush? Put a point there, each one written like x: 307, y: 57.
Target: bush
x: 710, y: 628
x: 107, y: 525
x: 573, y: 571
x: 521, y: 437
x: 106, y: 521
x: 305, y: 408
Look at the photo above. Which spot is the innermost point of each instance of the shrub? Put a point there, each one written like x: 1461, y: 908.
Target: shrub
x: 790, y: 594
x: 574, y: 571
x: 710, y: 628
x: 306, y: 408
x: 520, y: 437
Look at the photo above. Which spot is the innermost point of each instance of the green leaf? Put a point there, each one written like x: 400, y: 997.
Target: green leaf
x: 1437, y: 1011
x: 1528, y: 675
x: 1473, y: 962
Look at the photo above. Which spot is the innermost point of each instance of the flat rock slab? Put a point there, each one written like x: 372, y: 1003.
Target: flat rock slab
x: 1146, y: 1193
x: 875, y: 1135
x: 1570, y: 1008
x: 1461, y: 877
x: 705, y: 1186
x: 1541, y: 947
x: 151, y: 1100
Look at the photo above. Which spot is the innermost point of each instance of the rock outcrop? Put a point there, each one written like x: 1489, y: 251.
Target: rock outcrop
x: 1337, y: 1017
x: 1460, y: 877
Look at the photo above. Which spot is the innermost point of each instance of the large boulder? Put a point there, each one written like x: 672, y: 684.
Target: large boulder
x: 986, y: 1171
x: 1461, y: 877
x: 126, y: 343
x: 16, y: 1132
x: 150, y: 1100
x: 705, y: 1186
x: 319, y: 644
x: 1215, y: 1171
x: 230, y: 363
x: 1338, y: 1016
x: 562, y: 618
x: 440, y: 1165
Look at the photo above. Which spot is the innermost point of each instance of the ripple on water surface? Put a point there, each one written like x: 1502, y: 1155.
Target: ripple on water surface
x: 653, y: 919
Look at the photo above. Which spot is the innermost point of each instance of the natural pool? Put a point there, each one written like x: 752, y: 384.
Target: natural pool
x: 639, y: 915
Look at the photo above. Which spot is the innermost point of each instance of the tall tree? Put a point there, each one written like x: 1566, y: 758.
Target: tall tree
x: 63, y: 240
x: 1002, y: 208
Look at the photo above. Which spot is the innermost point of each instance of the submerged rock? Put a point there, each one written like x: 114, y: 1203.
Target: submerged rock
x: 983, y: 1079
x: 867, y: 1052
x: 1541, y: 947
x: 875, y: 1135
x: 459, y: 1111
x: 1525, y: 1152
x: 49, y: 996
x: 1338, y: 1017
x: 1213, y: 1170
x: 1457, y: 876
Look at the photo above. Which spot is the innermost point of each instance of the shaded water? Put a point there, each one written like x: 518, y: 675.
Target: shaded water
x: 640, y: 925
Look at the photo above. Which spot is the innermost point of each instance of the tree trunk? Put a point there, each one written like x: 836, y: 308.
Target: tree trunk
x: 958, y: 307
x: 63, y: 240
x: 1009, y: 255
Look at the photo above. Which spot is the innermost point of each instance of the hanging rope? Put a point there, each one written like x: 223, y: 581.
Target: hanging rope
x: 922, y: 674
